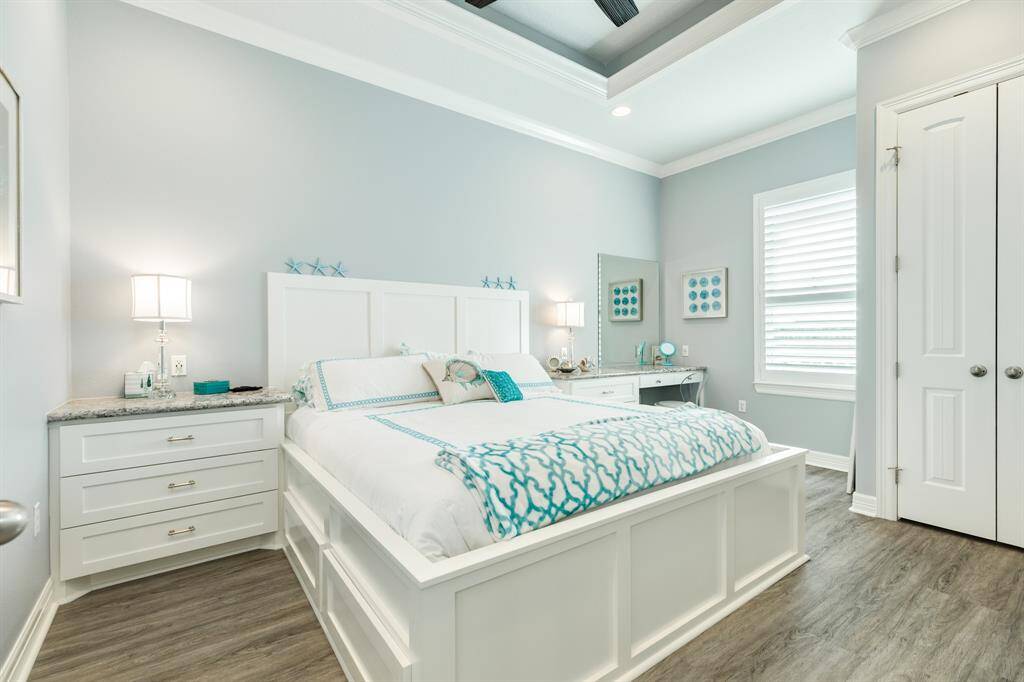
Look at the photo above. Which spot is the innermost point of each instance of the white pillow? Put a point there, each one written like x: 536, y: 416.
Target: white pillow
x: 339, y: 384
x: 524, y: 369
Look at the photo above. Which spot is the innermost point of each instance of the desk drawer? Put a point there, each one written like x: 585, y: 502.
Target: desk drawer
x: 92, y: 498
x: 102, y: 546
x: 109, y: 445
x: 670, y: 379
x: 624, y: 391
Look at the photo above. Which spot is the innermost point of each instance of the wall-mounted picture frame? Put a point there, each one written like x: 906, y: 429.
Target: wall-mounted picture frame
x: 706, y: 293
x: 626, y: 300
x: 10, y: 192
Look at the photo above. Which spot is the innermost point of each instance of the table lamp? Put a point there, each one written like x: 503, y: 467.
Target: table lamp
x: 163, y: 299
x: 570, y: 314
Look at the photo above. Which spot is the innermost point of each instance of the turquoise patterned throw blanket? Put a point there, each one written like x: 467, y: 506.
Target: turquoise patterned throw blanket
x: 533, y: 481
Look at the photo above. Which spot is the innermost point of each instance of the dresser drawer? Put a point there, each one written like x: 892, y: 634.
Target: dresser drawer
x: 109, y: 445
x: 92, y: 498
x: 623, y: 391
x: 112, y: 544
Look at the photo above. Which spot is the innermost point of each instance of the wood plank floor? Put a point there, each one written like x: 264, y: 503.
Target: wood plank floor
x: 877, y: 601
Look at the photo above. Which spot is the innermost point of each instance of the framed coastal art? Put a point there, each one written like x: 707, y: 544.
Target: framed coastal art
x: 10, y: 192
x: 706, y: 293
x: 626, y: 300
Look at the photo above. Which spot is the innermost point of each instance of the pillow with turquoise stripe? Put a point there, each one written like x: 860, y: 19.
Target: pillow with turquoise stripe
x: 506, y: 390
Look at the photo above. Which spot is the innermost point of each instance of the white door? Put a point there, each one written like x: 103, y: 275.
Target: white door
x: 947, y: 314
x: 1010, y: 330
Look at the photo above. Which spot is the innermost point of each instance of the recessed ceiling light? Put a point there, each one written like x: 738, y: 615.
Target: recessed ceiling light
x: 621, y: 111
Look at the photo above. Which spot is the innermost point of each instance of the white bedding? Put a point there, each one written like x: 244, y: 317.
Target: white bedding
x: 385, y: 456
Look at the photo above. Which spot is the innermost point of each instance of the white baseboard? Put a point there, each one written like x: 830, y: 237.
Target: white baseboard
x: 26, y: 647
x: 864, y: 504
x: 827, y: 460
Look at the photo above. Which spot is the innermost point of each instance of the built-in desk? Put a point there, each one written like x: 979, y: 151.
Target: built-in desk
x: 624, y: 382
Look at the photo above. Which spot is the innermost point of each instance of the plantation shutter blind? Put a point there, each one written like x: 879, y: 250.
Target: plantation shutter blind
x: 810, y: 284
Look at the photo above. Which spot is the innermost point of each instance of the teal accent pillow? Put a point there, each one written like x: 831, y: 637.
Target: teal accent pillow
x: 506, y: 390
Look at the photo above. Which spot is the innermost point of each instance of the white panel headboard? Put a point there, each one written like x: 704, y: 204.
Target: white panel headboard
x: 311, y: 317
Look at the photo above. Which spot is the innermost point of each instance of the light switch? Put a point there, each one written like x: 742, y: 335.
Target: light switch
x: 684, y: 351
x: 742, y: 407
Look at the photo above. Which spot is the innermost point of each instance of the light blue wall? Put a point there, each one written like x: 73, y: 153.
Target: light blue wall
x: 199, y: 155
x: 707, y: 216
x: 34, y: 335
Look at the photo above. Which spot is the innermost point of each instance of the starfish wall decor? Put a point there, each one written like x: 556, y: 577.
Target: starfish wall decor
x: 499, y: 283
x: 315, y: 267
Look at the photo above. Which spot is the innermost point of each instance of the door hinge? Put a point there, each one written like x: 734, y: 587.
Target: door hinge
x: 896, y: 264
x: 895, y: 149
x: 899, y: 370
x: 896, y: 473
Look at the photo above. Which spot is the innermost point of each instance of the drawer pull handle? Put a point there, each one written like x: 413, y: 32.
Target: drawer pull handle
x: 657, y: 381
x: 172, y: 486
x: 178, y: 439
x: 608, y: 392
x: 172, y: 532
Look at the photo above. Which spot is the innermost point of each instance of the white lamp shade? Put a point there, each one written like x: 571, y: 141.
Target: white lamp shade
x: 8, y: 280
x: 570, y: 313
x: 165, y: 298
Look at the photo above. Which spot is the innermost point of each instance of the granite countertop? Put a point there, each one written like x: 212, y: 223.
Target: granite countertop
x: 623, y: 370
x: 99, y: 408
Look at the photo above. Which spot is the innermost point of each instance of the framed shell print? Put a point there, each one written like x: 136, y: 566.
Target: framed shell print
x: 706, y: 293
x: 10, y: 192
x: 626, y: 300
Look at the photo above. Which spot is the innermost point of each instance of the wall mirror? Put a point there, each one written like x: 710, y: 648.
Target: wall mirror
x: 628, y: 308
x: 10, y: 192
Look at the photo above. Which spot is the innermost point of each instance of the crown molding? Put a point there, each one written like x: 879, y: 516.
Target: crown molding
x: 896, y: 20
x: 498, y: 43
x: 706, y: 31
x: 812, y: 119
x: 228, y: 24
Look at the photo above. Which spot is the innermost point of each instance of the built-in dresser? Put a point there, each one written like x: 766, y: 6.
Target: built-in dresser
x: 140, y: 486
x: 623, y: 383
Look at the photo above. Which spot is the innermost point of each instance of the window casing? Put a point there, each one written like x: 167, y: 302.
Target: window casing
x: 805, y: 289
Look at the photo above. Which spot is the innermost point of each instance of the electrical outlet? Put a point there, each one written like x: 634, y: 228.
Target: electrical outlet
x: 179, y: 366
x: 684, y: 351
x: 742, y: 407
x: 36, y: 519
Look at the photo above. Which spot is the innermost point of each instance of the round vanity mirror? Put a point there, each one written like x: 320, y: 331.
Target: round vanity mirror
x: 667, y: 350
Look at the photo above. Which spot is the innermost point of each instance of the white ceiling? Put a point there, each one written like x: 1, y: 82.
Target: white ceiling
x: 582, y: 26
x: 727, y: 77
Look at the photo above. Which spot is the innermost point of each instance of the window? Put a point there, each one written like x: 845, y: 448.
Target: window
x: 805, y: 289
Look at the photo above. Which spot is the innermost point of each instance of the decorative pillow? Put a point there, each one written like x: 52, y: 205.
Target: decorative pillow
x: 524, y: 369
x: 458, y: 380
x: 347, y: 383
x: 505, y: 388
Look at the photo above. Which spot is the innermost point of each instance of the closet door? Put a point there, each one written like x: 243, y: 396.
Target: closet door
x: 1010, y: 334
x: 947, y: 314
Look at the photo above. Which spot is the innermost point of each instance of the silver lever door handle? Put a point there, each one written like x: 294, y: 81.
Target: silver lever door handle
x: 13, y: 519
x: 979, y: 370
x: 1014, y: 372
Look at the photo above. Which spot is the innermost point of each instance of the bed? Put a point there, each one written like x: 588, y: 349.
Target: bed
x: 393, y: 554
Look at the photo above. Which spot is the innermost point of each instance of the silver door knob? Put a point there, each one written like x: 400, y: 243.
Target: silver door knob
x: 1014, y: 372
x: 979, y: 370
x: 13, y: 519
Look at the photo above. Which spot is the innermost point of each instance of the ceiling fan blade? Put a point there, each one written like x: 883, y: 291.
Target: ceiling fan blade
x: 619, y: 11
x: 479, y: 4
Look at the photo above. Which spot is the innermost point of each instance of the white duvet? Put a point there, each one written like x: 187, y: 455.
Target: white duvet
x: 385, y: 456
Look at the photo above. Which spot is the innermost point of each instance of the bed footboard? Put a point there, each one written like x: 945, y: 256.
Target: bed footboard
x: 601, y: 596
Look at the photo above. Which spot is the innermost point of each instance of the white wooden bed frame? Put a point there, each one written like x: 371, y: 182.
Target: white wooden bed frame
x: 604, y: 595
